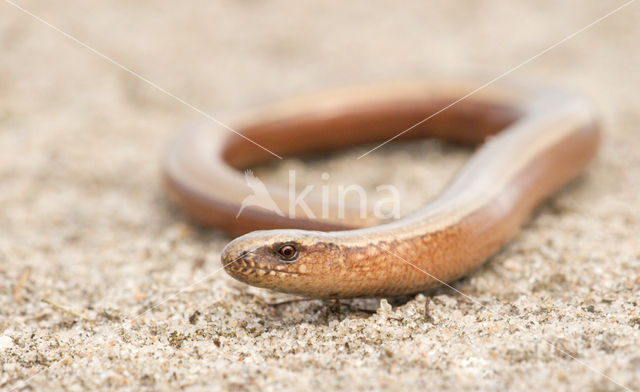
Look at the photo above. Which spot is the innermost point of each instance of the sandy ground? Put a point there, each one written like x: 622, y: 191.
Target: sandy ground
x: 89, y: 241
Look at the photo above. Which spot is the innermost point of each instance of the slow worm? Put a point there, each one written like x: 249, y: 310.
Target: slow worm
x: 531, y: 142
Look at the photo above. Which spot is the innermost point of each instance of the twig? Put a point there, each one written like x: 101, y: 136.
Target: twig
x: 427, y: 312
x: 67, y: 310
x: 19, y: 288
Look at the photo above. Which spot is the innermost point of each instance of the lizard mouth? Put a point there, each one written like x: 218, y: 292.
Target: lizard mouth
x: 243, y: 268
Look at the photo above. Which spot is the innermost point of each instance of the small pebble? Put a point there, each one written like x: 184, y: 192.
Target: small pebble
x: 5, y: 342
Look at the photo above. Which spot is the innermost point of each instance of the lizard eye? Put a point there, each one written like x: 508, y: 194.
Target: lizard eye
x: 287, y: 252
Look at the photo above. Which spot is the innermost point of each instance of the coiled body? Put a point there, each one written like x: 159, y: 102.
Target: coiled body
x: 532, y: 141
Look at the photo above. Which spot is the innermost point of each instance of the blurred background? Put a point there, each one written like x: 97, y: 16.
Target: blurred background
x: 85, y: 223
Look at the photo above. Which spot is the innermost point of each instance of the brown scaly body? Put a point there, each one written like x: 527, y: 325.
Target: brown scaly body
x: 541, y: 139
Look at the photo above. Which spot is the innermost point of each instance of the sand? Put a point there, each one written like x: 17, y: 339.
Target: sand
x: 105, y: 285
